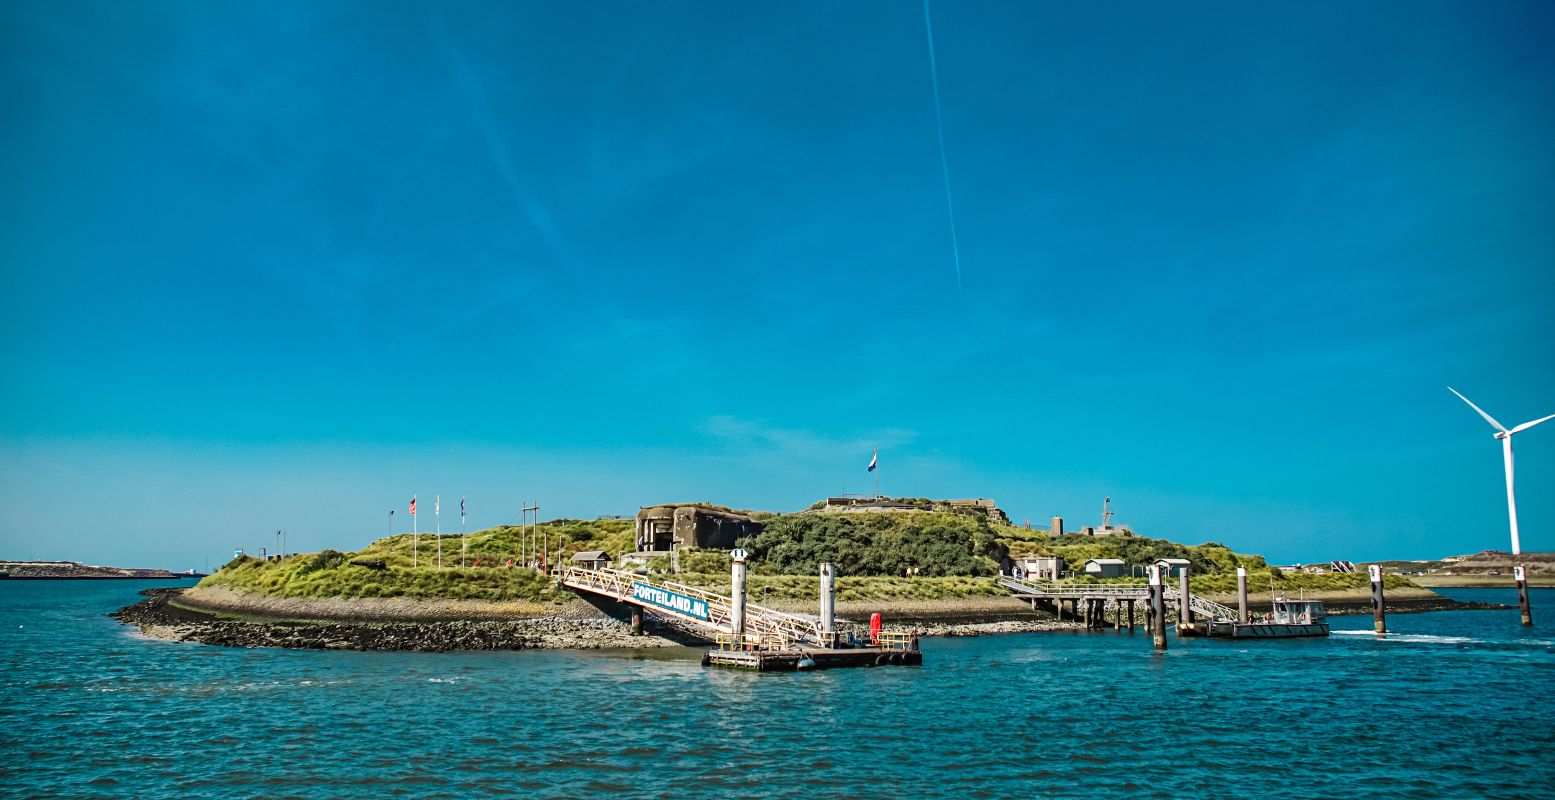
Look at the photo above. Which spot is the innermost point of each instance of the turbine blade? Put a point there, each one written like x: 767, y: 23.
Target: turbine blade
x: 1526, y: 425
x: 1488, y: 418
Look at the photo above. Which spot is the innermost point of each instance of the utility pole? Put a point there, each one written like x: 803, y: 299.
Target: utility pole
x: 534, y: 532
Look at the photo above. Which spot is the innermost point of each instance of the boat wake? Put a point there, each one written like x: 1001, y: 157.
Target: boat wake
x: 1426, y: 638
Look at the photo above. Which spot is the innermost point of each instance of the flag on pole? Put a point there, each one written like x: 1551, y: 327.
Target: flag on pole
x: 413, y: 506
x: 874, y: 460
x: 461, y: 508
x: 437, y: 504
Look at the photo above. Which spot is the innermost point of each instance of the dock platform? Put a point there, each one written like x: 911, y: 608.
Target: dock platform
x: 789, y: 660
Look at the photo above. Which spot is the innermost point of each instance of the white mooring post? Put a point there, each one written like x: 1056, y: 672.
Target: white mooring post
x: 828, y: 603
x: 1241, y: 595
x: 1157, y: 608
x: 737, y: 598
x: 1521, y: 576
x: 1378, y: 615
x: 1185, y: 604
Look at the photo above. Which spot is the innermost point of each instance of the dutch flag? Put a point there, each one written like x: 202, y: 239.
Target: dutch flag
x: 873, y: 460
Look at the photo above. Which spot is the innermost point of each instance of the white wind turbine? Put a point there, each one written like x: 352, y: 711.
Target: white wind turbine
x: 1506, y: 448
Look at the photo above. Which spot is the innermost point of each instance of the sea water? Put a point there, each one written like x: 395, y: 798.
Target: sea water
x: 1447, y: 705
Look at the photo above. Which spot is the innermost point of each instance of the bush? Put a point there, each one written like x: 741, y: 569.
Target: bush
x: 327, y: 559
x: 877, y: 544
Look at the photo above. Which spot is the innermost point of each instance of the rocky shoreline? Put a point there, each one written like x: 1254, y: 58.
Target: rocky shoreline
x: 161, y: 617
x: 238, y: 620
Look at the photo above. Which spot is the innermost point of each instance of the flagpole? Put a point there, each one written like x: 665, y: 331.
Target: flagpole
x: 464, y: 543
x: 437, y: 516
x: 415, y: 536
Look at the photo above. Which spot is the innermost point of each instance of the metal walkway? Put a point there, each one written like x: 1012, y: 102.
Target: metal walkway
x: 704, y: 610
x: 1111, y: 592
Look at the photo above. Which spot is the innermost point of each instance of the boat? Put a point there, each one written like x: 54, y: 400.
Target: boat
x: 1289, y: 619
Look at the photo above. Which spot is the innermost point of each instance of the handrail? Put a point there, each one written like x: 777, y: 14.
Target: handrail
x: 1196, y: 602
x: 769, y: 626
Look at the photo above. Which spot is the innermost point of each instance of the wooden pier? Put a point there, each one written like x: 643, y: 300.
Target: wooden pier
x: 749, y: 636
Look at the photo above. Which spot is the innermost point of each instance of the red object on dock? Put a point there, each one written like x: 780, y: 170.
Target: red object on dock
x: 874, y: 628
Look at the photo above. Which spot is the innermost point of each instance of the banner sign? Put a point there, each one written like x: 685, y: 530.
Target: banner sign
x: 679, y: 603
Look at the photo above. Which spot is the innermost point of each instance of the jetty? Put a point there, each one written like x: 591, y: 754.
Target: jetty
x: 749, y: 635
x: 1090, y: 602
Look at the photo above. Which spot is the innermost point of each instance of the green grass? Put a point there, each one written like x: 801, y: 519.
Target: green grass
x: 957, y: 554
x: 329, y: 574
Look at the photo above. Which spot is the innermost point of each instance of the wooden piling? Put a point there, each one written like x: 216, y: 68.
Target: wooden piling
x: 1157, y: 609
x: 637, y: 620
x: 1130, y: 614
x: 737, y: 596
x: 1379, y: 618
x: 1184, y: 606
x: 1117, y: 617
x: 1522, y: 591
x: 829, y: 604
x: 1241, y: 595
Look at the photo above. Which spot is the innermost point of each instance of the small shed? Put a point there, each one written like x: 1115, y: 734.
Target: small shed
x: 1042, y: 567
x: 1104, y: 567
x: 592, y: 559
x: 1172, y: 567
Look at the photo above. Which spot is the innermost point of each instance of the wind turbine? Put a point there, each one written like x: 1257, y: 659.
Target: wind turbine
x: 1511, y: 495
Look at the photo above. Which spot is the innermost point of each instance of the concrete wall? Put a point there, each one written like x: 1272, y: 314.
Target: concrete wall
x: 669, y: 527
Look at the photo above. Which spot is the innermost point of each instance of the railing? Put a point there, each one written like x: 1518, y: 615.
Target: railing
x: 1205, y: 606
x: 1097, y: 590
x: 765, y: 626
x: 1104, y: 591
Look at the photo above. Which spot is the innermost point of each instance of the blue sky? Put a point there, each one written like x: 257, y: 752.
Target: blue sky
x: 284, y: 265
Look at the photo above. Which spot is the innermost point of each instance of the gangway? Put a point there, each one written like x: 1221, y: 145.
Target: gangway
x: 708, y: 612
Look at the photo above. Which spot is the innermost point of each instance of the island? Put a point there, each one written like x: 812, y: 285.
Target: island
x: 931, y: 565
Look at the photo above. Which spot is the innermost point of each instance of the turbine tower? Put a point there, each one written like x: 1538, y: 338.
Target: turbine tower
x: 1511, y: 495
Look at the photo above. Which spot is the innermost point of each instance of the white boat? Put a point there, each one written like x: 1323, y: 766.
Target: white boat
x: 1290, y: 618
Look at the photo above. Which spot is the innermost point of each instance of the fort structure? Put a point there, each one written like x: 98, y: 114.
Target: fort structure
x: 869, y: 504
x: 676, y: 526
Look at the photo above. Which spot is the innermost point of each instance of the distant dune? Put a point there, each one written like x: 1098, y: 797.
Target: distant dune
x: 69, y: 570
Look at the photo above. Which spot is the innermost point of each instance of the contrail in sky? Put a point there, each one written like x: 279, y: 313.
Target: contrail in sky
x: 939, y: 118
x: 496, y: 148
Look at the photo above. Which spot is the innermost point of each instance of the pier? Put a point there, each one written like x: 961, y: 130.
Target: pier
x: 748, y: 635
x: 1092, y: 602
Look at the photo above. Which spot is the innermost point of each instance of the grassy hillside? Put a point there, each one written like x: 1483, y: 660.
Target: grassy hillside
x: 330, y: 573
x: 957, y: 555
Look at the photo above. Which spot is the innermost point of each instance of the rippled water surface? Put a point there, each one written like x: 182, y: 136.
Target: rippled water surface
x: 1452, y: 704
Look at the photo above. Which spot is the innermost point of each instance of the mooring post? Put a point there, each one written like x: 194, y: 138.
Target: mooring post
x: 737, y: 598
x: 1184, y: 605
x: 1241, y: 595
x: 1379, y: 618
x: 1157, y: 608
x: 1522, y: 593
x: 828, y: 604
